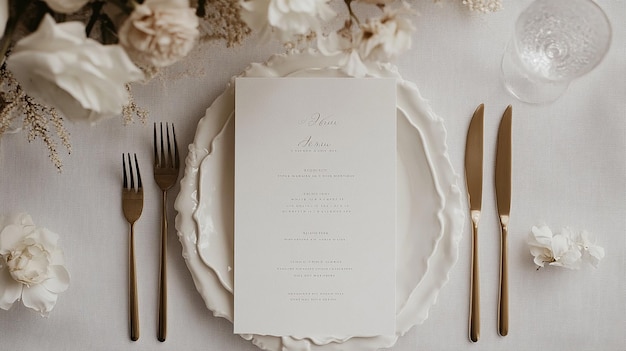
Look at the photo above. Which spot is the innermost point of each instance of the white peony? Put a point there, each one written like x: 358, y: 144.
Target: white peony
x: 160, y: 32
x: 31, y: 265
x: 384, y: 38
x: 82, y: 78
x: 66, y: 6
x: 288, y: 17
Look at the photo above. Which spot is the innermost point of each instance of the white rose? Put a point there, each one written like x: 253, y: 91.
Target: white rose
x: 82, y: 78
x: 160, y: 32
x: 384, y: 38
x: 66, y: 6
x: 31, y: 265
x: 289, y: 17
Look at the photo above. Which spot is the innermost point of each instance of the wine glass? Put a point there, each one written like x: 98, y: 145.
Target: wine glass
x: 554, y: 42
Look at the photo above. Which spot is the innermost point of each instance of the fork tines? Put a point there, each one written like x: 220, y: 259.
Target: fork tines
x: 163, y: 159
x: 130, y: 173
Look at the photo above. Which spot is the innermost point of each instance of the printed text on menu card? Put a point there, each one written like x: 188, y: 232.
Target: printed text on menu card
x: 315, y: 173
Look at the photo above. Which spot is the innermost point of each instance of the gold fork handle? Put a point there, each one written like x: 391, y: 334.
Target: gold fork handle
x: 132, y: 291
x: 162, y: 327
x: 503, y: 301
x: 474, y: 315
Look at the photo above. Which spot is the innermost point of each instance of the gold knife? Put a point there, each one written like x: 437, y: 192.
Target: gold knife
x: 503, y: 197
x: 474, y: 182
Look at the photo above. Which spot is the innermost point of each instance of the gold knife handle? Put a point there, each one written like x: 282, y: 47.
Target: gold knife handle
x: 474, y: 315
x: 503, y: 301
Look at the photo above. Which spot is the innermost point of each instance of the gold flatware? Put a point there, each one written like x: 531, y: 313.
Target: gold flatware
x: 166, y: 169
x: 474, y: 182
x: 132, y: 205
x: 503, y: 197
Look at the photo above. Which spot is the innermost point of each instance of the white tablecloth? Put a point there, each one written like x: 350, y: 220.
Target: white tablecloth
x: 569, y: 169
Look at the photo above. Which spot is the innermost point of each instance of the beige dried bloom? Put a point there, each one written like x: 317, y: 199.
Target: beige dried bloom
x: 159, y: 33
x: 36, y: 123
x: 222, y: 21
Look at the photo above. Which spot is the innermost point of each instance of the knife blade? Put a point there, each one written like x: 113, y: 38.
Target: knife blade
x: 503, y: 198
x: 474, y: 183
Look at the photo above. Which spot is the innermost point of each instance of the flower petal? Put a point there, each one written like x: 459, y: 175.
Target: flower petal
x: 540, y: 260
x: 59, y: 282
x: 66, y: 6
x: 560, y: 245
x: 10, y: 237
x: 593, y: 255
x: 540, y: 251
x: 4, y: 15
x: 541, y: 236
x: 10, y: 290
x: 38, y: 298
x: 571, y: 258
x: 47, y: 238
x: 82, y: 78
x: 17, y: 218
x: 596, y: 251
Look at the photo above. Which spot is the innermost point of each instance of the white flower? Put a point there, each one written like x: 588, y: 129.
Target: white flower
x: 384, y: 38
x: 565, y: 249
x: 379, y: 39
x: 554, y: 249
x: 82, y: 78
x: 31, y: 265
x: 289, y: 17
x: 66, y: 6
x: 342, y: 44
x: 591, y: 253
x: 160, y: 32
x: 4, y: 16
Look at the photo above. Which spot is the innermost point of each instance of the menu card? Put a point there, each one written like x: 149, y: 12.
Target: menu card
x: 315, y: 206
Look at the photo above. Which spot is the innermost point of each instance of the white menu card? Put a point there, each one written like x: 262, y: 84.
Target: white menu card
x: 315, y: 206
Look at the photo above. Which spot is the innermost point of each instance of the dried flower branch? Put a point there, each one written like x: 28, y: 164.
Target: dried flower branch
x: 16, y: 105
x: 36, y: 123
x: 132, y: 110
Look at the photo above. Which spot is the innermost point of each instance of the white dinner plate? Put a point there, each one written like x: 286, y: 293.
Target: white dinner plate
x: 430, y: 213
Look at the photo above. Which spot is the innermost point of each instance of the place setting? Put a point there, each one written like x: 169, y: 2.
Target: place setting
x: 205, y: 220
x: 320, y: 200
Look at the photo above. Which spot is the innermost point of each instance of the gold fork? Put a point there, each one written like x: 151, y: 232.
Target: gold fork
x: 166, y: 166
x: 132, y: 205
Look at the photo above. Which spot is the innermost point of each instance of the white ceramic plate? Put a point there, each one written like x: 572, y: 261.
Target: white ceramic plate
x: 430, y: 212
